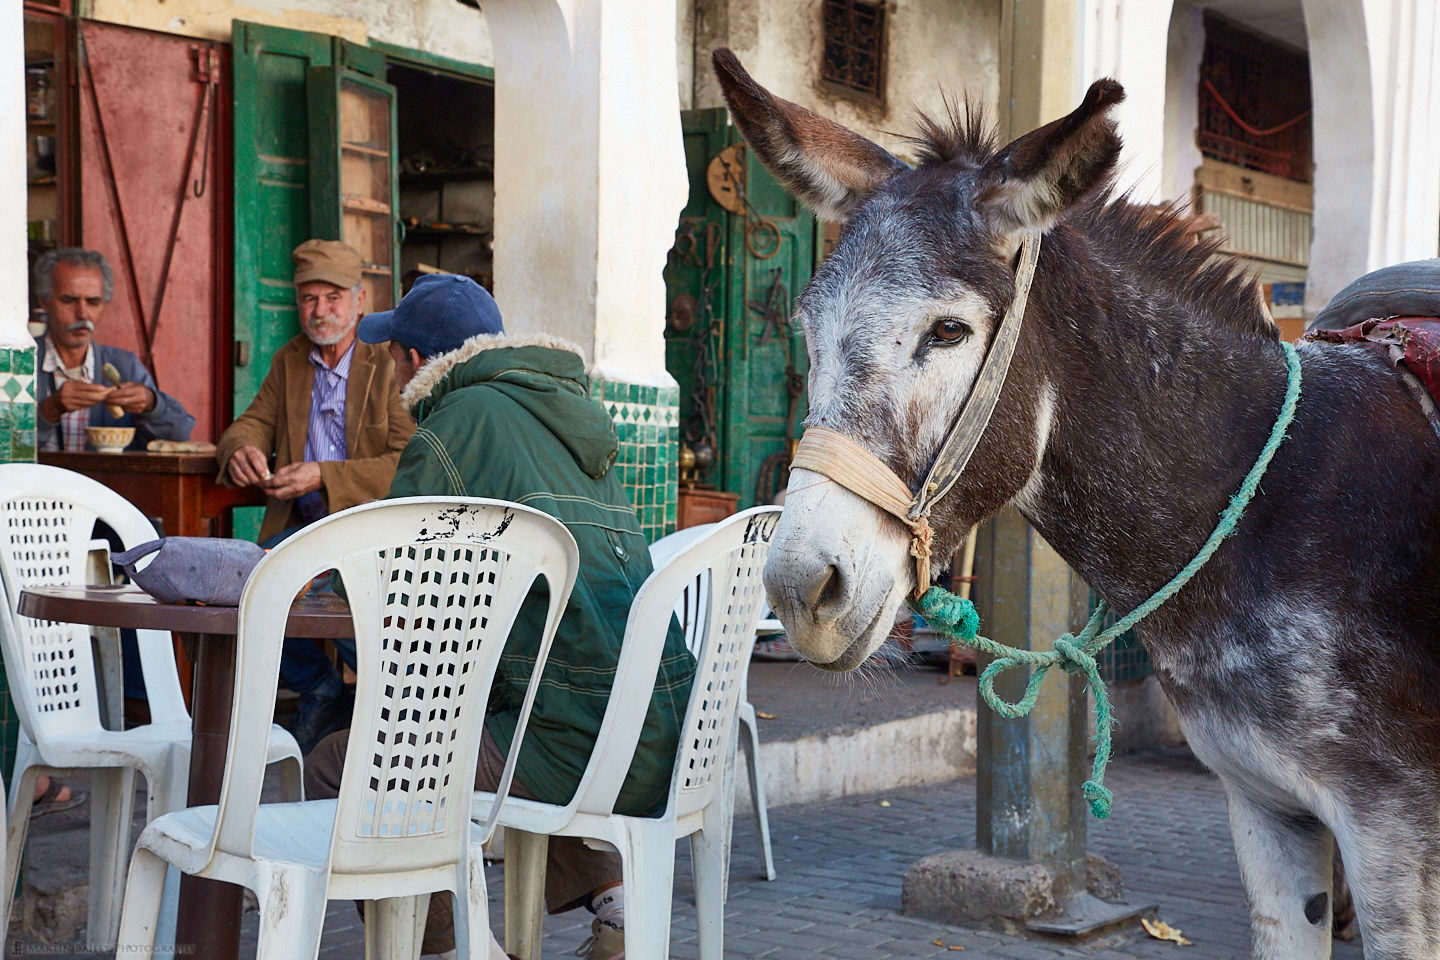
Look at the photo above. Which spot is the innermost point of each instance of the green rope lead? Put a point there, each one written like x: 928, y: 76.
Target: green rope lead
x: 956, y: 618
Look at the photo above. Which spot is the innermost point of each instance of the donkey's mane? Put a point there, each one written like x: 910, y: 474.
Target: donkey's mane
x: 965, y: 135
x: 1158, y: 240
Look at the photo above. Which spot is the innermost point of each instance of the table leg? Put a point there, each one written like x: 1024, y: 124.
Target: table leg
x: 209, y: 914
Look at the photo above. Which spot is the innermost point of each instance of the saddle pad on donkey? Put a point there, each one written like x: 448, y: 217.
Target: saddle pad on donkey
x: 1411, y: 344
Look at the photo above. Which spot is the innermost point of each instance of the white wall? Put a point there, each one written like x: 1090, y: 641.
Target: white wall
x: 14, y: 282
x: 589, y: 175
x: 934, y: 46
x: 1374, y: 66
x: 442, y: 27
x: 1127, y: 40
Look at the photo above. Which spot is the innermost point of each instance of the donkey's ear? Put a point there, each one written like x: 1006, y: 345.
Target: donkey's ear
x: 826, y: 167
x: 1029, y: 183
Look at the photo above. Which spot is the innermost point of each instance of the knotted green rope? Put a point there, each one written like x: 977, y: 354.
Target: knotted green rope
x: 956, y: 618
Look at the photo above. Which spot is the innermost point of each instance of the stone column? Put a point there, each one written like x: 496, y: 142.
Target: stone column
x: 589, y: 183
x: 17, y: 348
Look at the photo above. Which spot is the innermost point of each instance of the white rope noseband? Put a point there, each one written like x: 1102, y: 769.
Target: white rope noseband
x: 834, y: 455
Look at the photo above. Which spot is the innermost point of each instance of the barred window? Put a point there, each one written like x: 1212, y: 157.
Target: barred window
x: 855, y: 47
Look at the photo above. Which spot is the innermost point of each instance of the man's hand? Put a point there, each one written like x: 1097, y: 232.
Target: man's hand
x: 293, y: 480
x: 248, y: 467
x: 132, y: 398
x: 75, y: 395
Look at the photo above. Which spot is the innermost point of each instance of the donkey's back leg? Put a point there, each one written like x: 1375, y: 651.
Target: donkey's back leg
x: 1391, y: 867
x: 1285, y: 864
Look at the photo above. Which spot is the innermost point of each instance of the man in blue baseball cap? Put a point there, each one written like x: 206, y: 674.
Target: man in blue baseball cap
x: 511, y: 418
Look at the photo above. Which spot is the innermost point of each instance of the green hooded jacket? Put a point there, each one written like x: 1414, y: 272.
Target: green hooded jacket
x: 511, y: 419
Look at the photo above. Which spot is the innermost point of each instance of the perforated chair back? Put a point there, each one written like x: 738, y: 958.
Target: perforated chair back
x: 691, y: 602
x: 47, y: 516
x: 724, y: 566
x: 434, y: 585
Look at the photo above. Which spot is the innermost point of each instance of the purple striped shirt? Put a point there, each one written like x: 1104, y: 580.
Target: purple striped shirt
x: 325, y: 431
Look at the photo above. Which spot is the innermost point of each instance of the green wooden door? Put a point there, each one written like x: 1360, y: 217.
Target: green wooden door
x: 731, y: 281
x: 773, y: 248
x: 696, y: 286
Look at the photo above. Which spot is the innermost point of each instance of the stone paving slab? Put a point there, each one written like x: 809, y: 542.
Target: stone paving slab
x: 841, y: 862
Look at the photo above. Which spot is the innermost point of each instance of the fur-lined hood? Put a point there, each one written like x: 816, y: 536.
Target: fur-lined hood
x: 528, y: 383
x: 428, y: 377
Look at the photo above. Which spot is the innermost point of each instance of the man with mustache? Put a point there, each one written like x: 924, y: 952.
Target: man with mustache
x: 71, y: 391
x: 324, y: 433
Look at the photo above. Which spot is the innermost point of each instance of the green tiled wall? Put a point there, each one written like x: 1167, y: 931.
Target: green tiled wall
x: 17, y: 405
x: 17, y: 445
x: 648, y: 422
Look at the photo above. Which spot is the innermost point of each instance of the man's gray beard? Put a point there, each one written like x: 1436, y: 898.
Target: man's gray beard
x: 329, y: 340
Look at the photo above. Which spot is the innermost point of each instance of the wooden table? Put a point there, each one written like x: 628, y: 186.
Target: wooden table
x: 178, y: 488
x: 209, y: 910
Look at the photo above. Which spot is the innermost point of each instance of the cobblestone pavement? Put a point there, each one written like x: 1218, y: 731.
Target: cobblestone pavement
x: 841, y: 862
x: 840, y: 865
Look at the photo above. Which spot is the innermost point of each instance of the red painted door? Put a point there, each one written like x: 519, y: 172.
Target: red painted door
x: 154, y: 198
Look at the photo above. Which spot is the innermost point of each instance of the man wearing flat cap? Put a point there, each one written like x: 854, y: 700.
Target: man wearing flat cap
x: 324, y: 433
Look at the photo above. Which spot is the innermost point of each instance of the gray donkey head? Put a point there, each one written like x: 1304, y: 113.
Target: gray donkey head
x: 898, y: 320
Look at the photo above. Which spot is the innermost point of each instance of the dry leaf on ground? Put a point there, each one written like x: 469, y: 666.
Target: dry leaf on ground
x: 1161, y: 930
x: 764, y: 716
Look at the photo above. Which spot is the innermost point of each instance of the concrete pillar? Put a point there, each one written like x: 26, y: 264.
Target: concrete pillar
x: 17, y: 349
x: 1374, y: 72
x: 589, y: 183
x: 1029, y: 805
x: 589, y: 175
x: 1029, y: 770
x: 14, y: 283
x: 1127, y: 40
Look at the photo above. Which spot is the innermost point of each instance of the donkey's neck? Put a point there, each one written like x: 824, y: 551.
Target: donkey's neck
x: 1162, y: 405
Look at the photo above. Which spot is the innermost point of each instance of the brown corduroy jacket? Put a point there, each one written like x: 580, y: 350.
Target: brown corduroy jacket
x: 377, y: 427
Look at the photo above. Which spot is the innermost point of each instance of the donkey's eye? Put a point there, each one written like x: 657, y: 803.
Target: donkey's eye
x: 950, y: 330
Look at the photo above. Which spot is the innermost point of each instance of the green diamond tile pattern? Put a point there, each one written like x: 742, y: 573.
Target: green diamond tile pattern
x: 647, y: 421
x: 17, y: 445
x: 17, y: 405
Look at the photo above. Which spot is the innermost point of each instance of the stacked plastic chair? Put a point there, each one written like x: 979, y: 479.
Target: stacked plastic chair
x: 687, y: 610
x: 728, y: 561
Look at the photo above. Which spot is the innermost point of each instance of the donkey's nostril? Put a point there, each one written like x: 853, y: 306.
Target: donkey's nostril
x: 829, y: 589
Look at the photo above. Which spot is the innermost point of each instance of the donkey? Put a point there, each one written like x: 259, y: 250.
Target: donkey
x: 1304, y: 659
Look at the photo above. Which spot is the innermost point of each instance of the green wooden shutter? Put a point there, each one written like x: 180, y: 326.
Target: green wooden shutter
x: 272, y: 196
x: 354, y: 196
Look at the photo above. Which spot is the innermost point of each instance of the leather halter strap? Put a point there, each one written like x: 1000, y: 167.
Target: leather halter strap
x: 834, y: 455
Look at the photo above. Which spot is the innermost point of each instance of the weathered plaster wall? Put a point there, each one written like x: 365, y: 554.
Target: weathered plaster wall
x: 442, y: 27
x: 1185, y: 49
x: 934, y: 47
x: 590, y: 176
x: 13, y: 271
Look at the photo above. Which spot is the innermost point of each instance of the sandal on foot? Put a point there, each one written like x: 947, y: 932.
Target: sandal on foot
x: 48, y: 803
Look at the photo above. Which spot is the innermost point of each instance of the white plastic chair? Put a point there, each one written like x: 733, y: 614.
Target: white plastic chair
x: 747, y: 731
x: 46, y: 519
x: 434, y: 585
x: 732, y: 558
